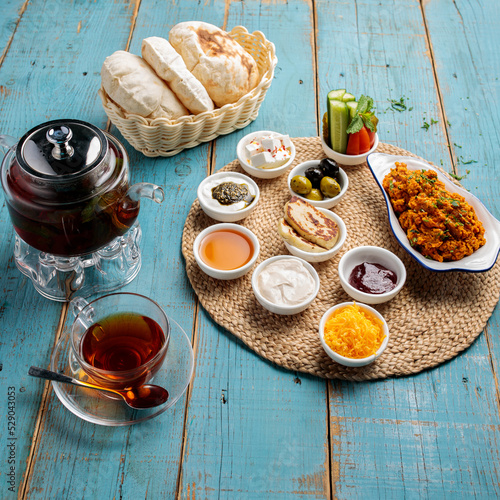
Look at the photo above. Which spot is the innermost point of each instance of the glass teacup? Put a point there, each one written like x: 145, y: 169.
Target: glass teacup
x: 119, y: 340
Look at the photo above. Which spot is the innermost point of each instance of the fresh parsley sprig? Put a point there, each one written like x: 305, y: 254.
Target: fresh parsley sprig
x: 363, y: 116
x: 400, y: 105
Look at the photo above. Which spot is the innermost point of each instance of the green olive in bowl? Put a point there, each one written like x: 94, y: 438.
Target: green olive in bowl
x: 301, y: 185
x: 329, y: 187
x: 315, y: 194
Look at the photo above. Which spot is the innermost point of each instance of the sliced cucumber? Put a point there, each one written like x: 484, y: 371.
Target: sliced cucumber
x: 335, y: 94
x: 338, y: 118
x: 348, y: 97
x: 352, y: 106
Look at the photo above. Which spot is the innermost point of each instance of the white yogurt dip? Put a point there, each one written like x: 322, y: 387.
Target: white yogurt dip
x: 286, y: 282
x: 211, y: 202
x: 269, y: 151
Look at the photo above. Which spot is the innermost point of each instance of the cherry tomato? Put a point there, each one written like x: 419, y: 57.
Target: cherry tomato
x: 359, y: 142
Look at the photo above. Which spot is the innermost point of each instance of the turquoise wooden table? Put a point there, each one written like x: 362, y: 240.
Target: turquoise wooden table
x: 246, y: 428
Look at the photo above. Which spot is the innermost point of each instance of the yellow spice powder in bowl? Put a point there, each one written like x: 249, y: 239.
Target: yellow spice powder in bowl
x: 353, y: 334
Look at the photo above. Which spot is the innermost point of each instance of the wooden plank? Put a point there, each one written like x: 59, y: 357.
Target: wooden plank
x: 12, y: 11
x: 44, y: 81
x: 399, y: 438
x: 255, y: 430
x: 466, y: 63
x: 419, y: 437
x: 466, y: 67
x: 28, y: 322
x: 380, y: 50
x: 28, y: 327
x: 144, y: 459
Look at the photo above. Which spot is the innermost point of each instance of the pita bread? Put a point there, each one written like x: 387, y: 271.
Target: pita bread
x: 169, y: 66
x: 136, y: 88
x: 220, y: 63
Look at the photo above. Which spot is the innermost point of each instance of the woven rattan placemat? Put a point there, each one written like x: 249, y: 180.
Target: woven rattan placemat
x: 433, y: 318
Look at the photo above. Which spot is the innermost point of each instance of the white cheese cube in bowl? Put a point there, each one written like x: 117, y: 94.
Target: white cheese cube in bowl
x: 253, y: 148
x: 265, y: 154
x: 263, y: 160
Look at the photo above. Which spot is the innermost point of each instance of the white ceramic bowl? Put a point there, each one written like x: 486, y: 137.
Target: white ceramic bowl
x: 326, y: 202
x: 347, y: 160
x: 219, y: 212
x: 219, y: 273
x: 284, y: 309
x: 482, y: 259
x: 261, y: 173
x: 373, y: 255
x: 352, y: 362
x: 321, y: 257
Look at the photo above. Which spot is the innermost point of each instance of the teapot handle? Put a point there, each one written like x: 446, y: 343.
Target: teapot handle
x: 7, y: 142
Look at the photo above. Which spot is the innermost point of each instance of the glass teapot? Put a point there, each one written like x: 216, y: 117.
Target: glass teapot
x: 66, y: 188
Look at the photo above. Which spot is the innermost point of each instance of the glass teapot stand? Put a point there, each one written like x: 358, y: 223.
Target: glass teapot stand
x: 62, y: 278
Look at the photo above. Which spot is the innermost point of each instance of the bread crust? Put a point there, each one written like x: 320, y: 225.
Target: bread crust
x: 310, y: 223
x: 135, y: 87
x: 291, y: 236
x: 169, y: 66
x: 220, y: 63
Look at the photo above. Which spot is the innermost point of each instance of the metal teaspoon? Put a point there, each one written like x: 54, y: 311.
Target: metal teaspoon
x: 139, y: 398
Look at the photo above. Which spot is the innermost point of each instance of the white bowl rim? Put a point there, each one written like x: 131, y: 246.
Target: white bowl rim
x: 352, y: 361
x: 234, y: 227
x: 385, y: 251
x: 326, y: 202
x: 221, y: 212
x: 361, y: 157
x: 260, y: 133
x: 307, y: 265
x: 336, y: 247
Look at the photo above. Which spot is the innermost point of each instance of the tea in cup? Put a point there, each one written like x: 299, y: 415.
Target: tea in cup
x: 119, y: 340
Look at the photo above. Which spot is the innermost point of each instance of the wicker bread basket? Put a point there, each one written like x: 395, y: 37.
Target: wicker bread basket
x: 163, y: 137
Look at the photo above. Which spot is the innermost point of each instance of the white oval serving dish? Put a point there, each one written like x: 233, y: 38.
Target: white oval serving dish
x: 482, y: 259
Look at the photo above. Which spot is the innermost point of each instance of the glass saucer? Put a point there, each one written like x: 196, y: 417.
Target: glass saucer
x: 98, y: 408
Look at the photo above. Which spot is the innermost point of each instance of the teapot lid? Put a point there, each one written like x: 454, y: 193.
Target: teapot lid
x: 61, y: 149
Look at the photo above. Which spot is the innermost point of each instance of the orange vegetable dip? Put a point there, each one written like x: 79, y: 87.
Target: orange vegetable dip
x: 353, y: 333
x: 439, y: 224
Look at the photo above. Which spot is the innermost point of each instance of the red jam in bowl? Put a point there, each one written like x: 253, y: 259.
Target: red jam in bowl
x: 372, y: 278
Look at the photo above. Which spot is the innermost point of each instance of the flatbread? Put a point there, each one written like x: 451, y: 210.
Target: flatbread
x: 293, y: 238
x: 136, y: 88
x: 310, y: 223
x: 220, y: 63
x: 169, y: 66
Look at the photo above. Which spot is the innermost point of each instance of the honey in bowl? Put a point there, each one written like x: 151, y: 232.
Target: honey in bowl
x: 226, y: 249
x: 123, y: 342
